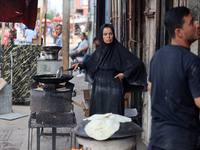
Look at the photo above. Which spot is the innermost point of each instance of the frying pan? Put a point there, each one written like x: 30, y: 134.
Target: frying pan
x: 60, y: 71
x: 51, y: 78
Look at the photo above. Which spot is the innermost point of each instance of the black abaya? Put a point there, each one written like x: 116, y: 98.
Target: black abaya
x: 106, y: 62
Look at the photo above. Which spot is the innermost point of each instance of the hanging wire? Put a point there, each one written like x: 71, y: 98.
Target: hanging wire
x: 195, y: 11
x: 196, y: 7
x: 148, y: 8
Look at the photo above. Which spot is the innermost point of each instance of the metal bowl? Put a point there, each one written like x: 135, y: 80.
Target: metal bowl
x: 51, y: 48
x: 51, y: 52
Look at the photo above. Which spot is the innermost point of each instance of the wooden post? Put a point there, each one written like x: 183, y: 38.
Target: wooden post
x: 73, y: 17
x: 116, y: 18
x: 2, y: 34
x: 138, y: 31
x: 74, y: 41
x: 12, y: 38
x: 45, y: 27
x: 119, y: 20
x: 39, y: 10
x: 175, y: 3
x: 65, y: 34
x: 113, y: 11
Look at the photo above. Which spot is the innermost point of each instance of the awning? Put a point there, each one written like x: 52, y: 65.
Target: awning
x: 21, y: 11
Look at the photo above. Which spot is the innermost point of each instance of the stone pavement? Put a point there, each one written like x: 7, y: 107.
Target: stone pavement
x: 14, y: 134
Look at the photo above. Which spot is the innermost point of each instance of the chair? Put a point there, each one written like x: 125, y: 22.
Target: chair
x: 84, y: 52
x: 132, y: 112
x: 126, y: 100
x: 86, y: 101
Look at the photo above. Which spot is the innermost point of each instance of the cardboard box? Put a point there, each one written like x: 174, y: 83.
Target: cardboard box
x: 35, y: 41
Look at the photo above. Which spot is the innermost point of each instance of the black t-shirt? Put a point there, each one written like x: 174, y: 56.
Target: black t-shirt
x: 175, y: 78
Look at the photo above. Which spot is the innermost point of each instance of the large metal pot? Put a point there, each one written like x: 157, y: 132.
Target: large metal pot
x: 51, y: 52
x: 51, y: 56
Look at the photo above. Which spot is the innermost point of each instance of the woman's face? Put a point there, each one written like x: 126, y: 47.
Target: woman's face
x: 107, y: 35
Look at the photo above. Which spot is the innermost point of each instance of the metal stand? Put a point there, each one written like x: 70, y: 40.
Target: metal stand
x: 40, y: 132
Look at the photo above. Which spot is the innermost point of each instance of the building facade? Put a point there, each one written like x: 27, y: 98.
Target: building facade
x: 139, y: 27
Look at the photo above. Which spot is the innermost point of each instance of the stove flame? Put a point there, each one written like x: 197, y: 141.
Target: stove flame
x: 41, y: 85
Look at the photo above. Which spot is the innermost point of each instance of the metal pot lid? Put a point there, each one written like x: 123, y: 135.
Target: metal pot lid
x: 51, y: 78
x: 126, y: 129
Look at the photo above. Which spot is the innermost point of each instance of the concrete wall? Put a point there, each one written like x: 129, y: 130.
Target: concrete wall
x: 91, y: 24
x: 150, y: 48
x: 82, y: 4
x: 194, y: 6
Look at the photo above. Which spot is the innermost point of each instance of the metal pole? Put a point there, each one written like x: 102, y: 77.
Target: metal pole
x: 53, y: 138
x: 65, y: 34
x: 73, y: 18
x: 38, y: 138
x: 2, y: 34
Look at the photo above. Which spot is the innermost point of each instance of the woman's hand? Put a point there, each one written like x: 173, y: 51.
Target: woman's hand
x: 120, y: 76
x: 75, y: 66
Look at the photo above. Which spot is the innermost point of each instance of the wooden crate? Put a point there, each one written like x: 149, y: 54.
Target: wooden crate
x: 86, y: 101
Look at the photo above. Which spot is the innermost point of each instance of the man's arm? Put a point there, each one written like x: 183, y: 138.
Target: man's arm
x: 149, y: 87
x: 60, y: 53
x: 25, y: 35
x: 83, y: 49
x: 197, y: 101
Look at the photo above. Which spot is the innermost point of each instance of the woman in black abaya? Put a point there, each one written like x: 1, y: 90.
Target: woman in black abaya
x: 112, y: 68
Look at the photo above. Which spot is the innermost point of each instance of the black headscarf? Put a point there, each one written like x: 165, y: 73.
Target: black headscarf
x: 116, y: 56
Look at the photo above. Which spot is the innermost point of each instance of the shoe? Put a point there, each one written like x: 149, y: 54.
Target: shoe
x: 81, y: 75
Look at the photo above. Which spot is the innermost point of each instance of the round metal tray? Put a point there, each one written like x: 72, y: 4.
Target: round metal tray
x: 51, y: 78
x: 126, y: 129
x: 50, y: 49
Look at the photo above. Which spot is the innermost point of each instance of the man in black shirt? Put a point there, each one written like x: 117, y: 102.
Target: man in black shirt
x: 174, y: 86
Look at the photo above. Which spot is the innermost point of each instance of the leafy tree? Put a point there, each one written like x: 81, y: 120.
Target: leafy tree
x: 50, y: 15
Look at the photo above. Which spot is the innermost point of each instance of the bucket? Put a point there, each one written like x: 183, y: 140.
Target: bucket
x: 6, y: 99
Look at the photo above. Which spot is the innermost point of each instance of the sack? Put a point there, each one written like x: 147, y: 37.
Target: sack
x: 2, y: 83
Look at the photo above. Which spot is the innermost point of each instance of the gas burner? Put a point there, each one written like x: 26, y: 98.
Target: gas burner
x: 49, y: 87
x: 52, y: 103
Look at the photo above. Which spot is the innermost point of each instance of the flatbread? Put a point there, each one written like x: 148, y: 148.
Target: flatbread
x: 102, y: 129
x: 120, y: 118
x: 98, y: 116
